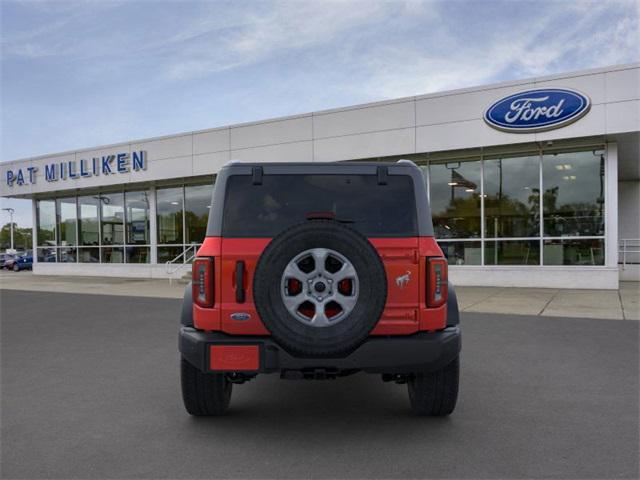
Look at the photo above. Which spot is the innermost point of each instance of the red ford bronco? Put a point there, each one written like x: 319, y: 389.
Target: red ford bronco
x: 315, y: 271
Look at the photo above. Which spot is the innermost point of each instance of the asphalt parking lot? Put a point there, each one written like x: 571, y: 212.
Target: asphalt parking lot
x: 90, y: 389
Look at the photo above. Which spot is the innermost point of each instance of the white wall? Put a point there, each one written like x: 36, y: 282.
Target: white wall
x: 111, y: 270
x: 536, y: 277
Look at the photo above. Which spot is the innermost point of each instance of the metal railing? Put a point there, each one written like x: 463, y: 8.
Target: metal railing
x: 186, y: 256
x: 628, y: 247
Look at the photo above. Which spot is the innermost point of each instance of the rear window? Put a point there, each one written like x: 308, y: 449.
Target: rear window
x: 284, y: 200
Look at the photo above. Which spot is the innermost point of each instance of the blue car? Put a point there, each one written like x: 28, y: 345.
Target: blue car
x: 23, y: 262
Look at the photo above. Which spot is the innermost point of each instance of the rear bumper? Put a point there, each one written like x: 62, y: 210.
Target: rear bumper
x: 390, y: 354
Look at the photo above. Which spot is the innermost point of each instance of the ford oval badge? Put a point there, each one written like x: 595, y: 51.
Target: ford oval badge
x: 537, y: 110
x: 240, y: 316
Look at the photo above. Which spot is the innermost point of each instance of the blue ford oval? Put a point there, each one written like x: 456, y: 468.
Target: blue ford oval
x: 537, y: 110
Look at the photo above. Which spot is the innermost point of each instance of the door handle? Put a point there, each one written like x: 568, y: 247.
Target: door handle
x: 240, y: 282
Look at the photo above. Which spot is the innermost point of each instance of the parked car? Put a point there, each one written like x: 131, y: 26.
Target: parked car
x: 23, y: 262
x: 316, y: 271
x: 7, y: 261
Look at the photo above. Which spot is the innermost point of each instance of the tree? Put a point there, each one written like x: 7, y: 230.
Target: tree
x: 21, y: 237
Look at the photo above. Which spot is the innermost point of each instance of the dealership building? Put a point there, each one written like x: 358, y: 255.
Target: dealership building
x: 534, y: 182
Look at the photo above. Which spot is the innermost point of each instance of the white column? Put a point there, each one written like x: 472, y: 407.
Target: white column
x: 34, y: 231
x: 611, y: 205
x: 153, y: 234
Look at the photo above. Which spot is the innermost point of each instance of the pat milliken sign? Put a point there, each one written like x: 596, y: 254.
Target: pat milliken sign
x: 115, y: 164
x: 537, y: 110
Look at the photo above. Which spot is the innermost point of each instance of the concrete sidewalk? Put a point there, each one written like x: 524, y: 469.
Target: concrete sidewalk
x: 623, y: 304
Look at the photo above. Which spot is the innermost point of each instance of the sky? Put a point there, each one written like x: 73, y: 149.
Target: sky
x: 87, y: 73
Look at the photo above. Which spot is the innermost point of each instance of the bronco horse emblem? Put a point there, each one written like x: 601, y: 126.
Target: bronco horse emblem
x: 402, y: 280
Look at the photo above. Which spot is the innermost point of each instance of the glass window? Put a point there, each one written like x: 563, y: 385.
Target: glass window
x: 197, y: 199
x: 283, y: 200
x: 88, y: 221
x: 137, y: 254
x: 166, y: 254
x: 169, y: 206
x: 512, y: 252
x: 455, y: 199
x: 112, y: 218
x: 89, y: 255
x: 46, y: 222
x: 462, y: 253
x: 574, y: 252
x: 573, y: 198
x: 512, y: 197
x: 67, y: 254
x: 46, y: 254
x: 112, y: 255
x: 67, y: 213
x: 137, y: 216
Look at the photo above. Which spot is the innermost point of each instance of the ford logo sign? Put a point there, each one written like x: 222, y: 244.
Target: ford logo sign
x: 537, y: 110
x: 240, y: 316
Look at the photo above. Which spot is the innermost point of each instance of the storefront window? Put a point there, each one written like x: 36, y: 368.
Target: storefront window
x: 67, y: 221
x: 88, y: 226
x: 137, y: 254
x: 46, y: 254
x: 573, y: 198
x: 512, y: 197
x: 574, y: 252
x: 46, y: 222
x: 166, y: 254
x: 67, y: 254
x: 462, y: 253
x: 455, y: 199
x: 169, y: 207
x: 112, y: 218
x: 137, y: 218
x: 89, y: 255
x: 512, y: 252
x: 112, y: 254
x: 196, y: 211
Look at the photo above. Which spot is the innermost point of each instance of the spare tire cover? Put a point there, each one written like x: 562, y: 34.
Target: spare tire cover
x: 320, y: 288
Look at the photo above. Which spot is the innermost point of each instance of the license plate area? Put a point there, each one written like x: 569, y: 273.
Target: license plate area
x: 234, y: 358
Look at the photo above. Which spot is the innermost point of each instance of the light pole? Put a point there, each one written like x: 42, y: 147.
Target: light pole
x: 11, y: 212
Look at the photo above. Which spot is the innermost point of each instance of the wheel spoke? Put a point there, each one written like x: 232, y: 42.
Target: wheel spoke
x: 346, y: 271
x: 293, y: 271
x: 319, y: 257
x: 292, y: 304
x: 320, y: 318
x: 347, y: 302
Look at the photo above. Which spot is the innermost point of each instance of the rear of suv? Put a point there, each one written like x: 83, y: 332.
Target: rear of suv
x: 315, y: 271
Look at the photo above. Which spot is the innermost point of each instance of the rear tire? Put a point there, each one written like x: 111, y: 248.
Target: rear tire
x: 204, y: 394
x: 435, y: 393
x: 16, y: 268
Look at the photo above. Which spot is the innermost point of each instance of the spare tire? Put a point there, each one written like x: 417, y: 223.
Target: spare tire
x: 320, y: 287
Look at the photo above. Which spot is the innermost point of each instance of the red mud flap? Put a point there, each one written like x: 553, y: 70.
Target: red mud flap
x: 236, y: 358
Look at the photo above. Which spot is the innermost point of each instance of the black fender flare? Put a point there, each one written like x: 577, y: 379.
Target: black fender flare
x: 186, y: 315
x: 453, y: 313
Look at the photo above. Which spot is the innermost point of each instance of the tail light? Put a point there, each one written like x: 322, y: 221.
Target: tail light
x: 437, y: 276
x: 202, y: 281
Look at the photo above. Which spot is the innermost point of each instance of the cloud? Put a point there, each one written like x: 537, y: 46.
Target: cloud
x: 558, y: 39
x: 287, y: 26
